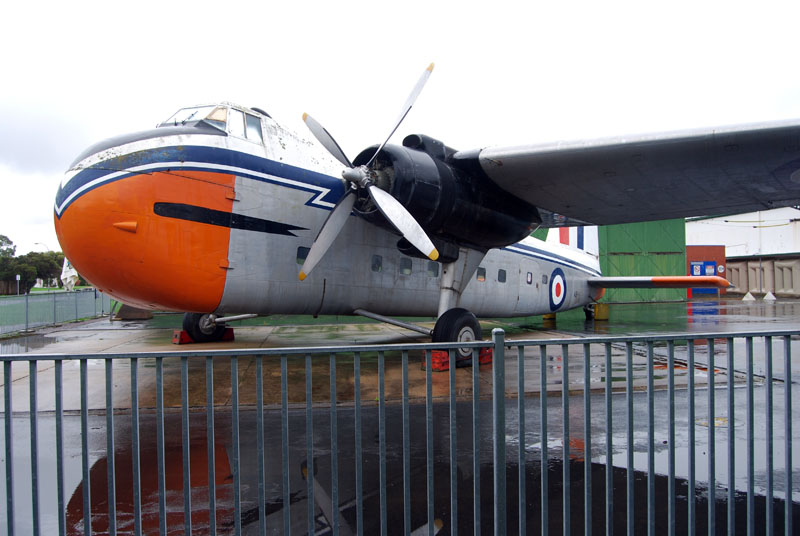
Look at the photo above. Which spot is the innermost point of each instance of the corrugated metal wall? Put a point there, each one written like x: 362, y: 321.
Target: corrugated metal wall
x: 650, y: 248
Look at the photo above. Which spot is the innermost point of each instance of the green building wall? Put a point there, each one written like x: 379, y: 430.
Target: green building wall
x: 649, y: 248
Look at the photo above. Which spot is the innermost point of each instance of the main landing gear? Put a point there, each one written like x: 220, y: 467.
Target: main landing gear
x: 457, y: 325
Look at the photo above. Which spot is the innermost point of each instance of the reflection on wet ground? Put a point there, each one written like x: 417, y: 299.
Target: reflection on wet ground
x: 697, y: 317
x: 298, y: 505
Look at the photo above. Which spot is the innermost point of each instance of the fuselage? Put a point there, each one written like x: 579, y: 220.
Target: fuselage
x: 218, y: 215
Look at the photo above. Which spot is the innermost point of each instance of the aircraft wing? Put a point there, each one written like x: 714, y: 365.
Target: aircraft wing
x: 652, y: 177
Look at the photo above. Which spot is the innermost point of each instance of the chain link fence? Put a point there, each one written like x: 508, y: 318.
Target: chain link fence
x: 18, y: 313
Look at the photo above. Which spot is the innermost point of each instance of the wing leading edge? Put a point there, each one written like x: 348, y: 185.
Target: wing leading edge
x: 653, y: 177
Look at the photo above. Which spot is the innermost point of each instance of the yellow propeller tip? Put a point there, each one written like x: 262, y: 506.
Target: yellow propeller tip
x: 302, y: 276
x: 305, y: 115
x: 430, y: 67
x: 433, y: 255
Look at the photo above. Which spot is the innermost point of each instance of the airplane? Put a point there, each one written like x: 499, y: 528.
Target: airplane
x: 222, y: 213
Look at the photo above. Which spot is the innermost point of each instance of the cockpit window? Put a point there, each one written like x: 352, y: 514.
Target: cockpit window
x: 236, y: 123
x: 253, y: 128
x: 218, y: 117
x: 184, y: 115
x: 227, y: 119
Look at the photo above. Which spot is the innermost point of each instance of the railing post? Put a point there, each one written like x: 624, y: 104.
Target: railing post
x: 499, y: 438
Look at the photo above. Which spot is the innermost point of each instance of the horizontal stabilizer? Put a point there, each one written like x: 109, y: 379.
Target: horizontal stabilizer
x: 669, y: 281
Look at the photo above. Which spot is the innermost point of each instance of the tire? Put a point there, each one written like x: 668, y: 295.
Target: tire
x: 588, y: 311
x: 200, y: 329
x: 457, y: 325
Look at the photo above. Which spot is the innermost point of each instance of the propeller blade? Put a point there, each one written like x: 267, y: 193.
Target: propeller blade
x: 327, y: 141
x: 403, y: 221
x: 330, y: 230
x: 406, y: 108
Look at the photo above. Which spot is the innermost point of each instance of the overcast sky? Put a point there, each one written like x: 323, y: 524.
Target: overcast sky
x: 507, y: 73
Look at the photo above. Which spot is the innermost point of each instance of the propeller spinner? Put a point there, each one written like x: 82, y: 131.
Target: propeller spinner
x: 362, y: 177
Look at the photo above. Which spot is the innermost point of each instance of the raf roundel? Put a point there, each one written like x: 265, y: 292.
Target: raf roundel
x: 558, y: 289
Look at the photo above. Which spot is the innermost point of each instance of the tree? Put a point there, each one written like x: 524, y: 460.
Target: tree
x: 7, y: 247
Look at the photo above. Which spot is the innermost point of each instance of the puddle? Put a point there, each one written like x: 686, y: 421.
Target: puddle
x: 23, y: 345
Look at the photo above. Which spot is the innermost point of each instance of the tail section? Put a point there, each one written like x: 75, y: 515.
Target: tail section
x: 583, y: 238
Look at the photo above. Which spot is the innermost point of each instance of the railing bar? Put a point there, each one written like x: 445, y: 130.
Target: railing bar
x: 236, y: 465
x: 212, y: 488
x: 185, y: 441
x: 429, y: 437
x: 629, y: 399
x: 731, y: 440
x: 690, y: 493
x: 137, y: 481
x: 712, y: 500
x: 87, y: 505
x: 651, y: 439
x: 476, y: 444
x: 162, y: 488
x: 382, y: 440
x: 787, y: 374
x: 59, y: 377
x: 750, y: 416
x: 262, y: 493
x: 544, y: 470
x: 671, y: 438
x: 358, y: 454
x: 406, y: 450
x: 287, y: 520
x: 310, y: 449
x: 499, y: 430
x: 587, y: 445
x: 566, y: 485
x: 334, y: 448
x: 609, y: 378
x: 110, y: 455
x: 8, y: 418
x: 769, y: 434
x: 34, y: 433
x: 522, y: 503
x: 453, y: 444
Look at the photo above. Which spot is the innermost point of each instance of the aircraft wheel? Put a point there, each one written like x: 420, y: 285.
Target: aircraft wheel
x: 201, y: 327
x: 457, y: 325
x: 588, y: 311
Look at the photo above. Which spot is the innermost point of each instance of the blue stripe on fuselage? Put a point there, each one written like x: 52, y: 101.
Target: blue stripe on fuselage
x: 194, y: 157
x: 541, y: 254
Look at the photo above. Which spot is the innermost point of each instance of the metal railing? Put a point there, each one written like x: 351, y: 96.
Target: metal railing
x: 379, y: 451
x: 29, y: 311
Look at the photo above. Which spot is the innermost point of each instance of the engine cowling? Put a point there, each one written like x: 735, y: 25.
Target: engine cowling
x: 456, y: 203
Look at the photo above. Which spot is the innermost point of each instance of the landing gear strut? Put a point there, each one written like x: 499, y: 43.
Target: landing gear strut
x: 457, y: 325
x: 203, y: 327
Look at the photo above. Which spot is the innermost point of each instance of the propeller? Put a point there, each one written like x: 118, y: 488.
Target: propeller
x: 362, y: 178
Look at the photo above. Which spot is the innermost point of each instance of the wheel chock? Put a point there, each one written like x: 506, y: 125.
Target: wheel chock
x: 440, y: 360
x: 180, y: 336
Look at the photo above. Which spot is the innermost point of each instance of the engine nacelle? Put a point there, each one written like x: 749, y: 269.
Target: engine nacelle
x: 456, y: 205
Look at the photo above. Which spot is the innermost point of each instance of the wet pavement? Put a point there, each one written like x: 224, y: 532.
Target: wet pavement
x: 103, y: 336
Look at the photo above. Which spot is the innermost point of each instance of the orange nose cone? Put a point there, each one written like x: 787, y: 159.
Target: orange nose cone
x: 115, y: 240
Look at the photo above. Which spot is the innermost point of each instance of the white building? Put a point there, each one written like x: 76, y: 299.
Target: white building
x: 762, y: 248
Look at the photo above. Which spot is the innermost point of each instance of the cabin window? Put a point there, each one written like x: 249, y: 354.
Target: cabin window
x: 377, y: 263
x: 253, y: 124
x: 302, y: 255
x: 530, y: 278
x: 405, y: 266
x: 501, y: 276
x: 433, y: 269
x: 481, y: 275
